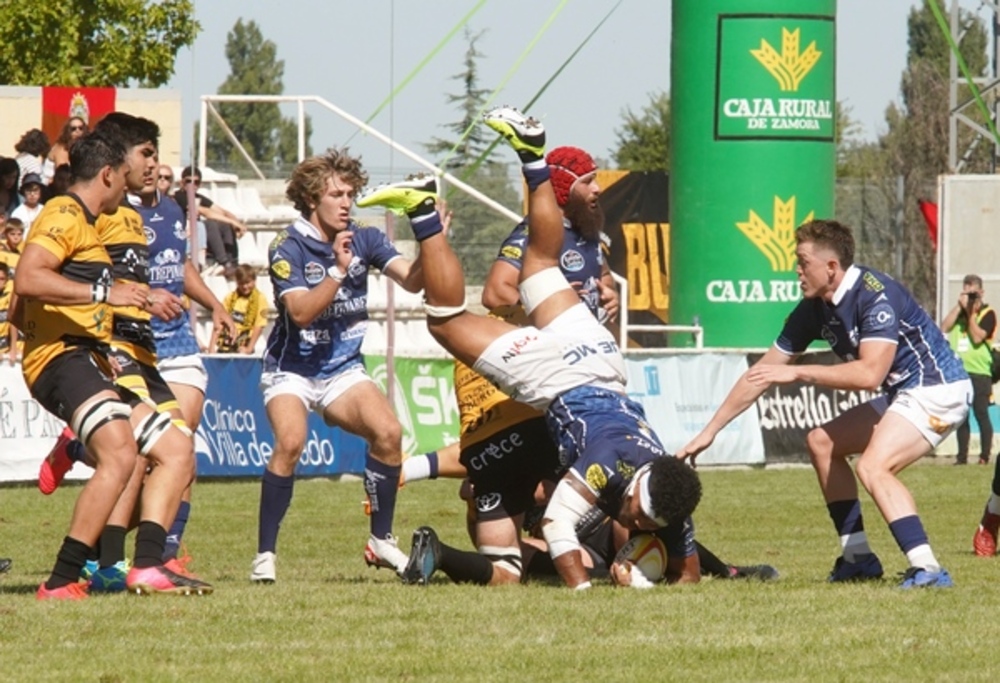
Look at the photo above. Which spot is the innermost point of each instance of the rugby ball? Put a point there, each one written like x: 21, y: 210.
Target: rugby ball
x: 646, y: 554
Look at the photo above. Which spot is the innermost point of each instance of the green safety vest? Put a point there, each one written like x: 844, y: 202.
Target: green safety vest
x: 976, y: 358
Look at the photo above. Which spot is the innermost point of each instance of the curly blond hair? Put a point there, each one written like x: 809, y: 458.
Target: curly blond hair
x: 308, y: 182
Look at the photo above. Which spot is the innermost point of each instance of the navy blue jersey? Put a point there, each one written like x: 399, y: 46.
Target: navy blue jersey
x: 331, y: 343
x: 581, y: 260
x: 870, y: 305
x: 166, y: 232
x: 603, y: 436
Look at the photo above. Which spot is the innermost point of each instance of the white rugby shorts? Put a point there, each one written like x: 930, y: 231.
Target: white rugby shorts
x: 187, y: 370
x: 534, y: 366
x: 936, y: 410
x: 315, y: 394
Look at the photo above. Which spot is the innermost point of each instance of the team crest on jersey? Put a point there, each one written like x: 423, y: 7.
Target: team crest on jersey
x: 149, y: 233
x: 572, y: 261
x: 596, y: 477
x: 282, y: 269
x: 828, y: 336
x: 882, y: 316
x: 180, y: 231
x: 314, y: 273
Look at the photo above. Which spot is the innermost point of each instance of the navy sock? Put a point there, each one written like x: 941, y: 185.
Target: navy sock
x: 149, y: 541
x: 381, y: 484
x: 69, y: 562
x: 75, y: 450
x: 112, y: 545
x: 176, y: 532
x: 463, y: 566
x: 425, y: 224
x: 846, y: 516
x: 535, y: 174
x: 432, y: 462
x: 275, y: 497
x: 908, y: 532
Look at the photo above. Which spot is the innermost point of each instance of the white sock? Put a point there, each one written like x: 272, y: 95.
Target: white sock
x: 416, y: 468
x: 923, y: 556
x: 853, y: 545
x: 993, y: 504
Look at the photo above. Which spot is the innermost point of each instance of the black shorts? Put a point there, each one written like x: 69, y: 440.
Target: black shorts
x: 144, y: 381
x: 71, y: 380
x: 506, y: 468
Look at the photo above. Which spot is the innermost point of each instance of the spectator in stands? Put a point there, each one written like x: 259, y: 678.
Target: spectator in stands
x: 248, y: 309
x: 12, y: 245
x: 164, y: 185
x: 31, y: 191
x: 10, y: 173
x: 31, y: 149
x: 222, y: 228
x: 8, y: 334
x: 72, y: 130
x: 61, y: 179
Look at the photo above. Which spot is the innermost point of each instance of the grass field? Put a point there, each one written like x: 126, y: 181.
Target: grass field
x: 330, y: 618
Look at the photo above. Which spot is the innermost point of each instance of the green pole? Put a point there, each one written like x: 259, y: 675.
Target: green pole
x: 752, y: 130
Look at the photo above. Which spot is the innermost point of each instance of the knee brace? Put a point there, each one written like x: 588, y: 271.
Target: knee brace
x: 149, y: 430
x: 91, y: 417
x: 508, y: 559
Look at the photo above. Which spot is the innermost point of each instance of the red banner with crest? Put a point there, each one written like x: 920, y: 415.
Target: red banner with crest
x: 60, y: 103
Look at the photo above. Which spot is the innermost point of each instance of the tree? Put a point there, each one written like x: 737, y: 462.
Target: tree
x: 93, y: 42
x: 916, y: 143
x: 268, y: 138
x: 478, y: 229
x: 644, y: 138
x: 475, y: 140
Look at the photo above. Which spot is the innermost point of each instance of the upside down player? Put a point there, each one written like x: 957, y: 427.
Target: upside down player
x: 567, y: 365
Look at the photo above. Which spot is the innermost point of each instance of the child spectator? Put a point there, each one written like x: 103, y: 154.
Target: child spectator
x: 10, y: 247
x: 247, y: 307
x: 31, y: 190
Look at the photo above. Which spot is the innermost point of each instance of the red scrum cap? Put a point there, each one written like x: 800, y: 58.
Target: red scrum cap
x: 567, y: 165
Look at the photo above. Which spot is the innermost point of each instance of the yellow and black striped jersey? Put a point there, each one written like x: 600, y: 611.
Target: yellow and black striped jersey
x: 124, y: 238
x: 65, y: 228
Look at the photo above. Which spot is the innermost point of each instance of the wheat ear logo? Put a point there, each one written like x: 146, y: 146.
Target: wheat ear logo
x: 776, y: 243
x: 791, y: 66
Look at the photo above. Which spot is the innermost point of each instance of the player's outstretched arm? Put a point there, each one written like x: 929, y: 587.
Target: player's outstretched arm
x: 743, y: 395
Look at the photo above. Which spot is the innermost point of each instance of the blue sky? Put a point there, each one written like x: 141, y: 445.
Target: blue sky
x: 354, y: 54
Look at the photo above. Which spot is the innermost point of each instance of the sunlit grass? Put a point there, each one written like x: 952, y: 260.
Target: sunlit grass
x: 330, y: 618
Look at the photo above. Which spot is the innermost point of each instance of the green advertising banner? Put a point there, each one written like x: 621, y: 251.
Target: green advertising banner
x: 424, y: 400
x: 753, y: 157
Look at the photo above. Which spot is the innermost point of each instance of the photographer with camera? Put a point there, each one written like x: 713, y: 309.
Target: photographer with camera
x: 970, y: 326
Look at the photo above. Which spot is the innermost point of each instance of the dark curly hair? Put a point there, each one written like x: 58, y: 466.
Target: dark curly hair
x: 34, y: 142
x: 674, y: 489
